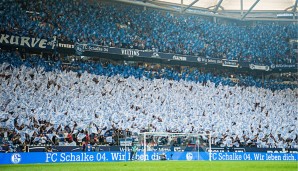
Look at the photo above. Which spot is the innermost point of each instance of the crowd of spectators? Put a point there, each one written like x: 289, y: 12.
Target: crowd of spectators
x: 122, y: 25
x: 42, y: 104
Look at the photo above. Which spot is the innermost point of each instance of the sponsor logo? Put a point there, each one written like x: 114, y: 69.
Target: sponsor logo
x: 16, y: 158
x: 130, y: 53
x: 180, y: 58
x: 189, y: 156
x: 230, y: 63
x: 155, y: 55
x: 259, y: 67
x: 63, y: 45
x: 79, y: 49
x: 213, y: 61
x: 251, y: 66
x: 284, y: 66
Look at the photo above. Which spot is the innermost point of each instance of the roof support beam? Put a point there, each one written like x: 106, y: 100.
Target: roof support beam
x: 218, y: 5
x: 241, y: 7
x: 250, y: 9
x: 295, y: 6
x: 190, y: 5
x: 153, y: 5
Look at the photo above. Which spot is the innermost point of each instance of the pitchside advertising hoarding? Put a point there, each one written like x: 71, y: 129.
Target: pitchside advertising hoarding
x: 60, y: 157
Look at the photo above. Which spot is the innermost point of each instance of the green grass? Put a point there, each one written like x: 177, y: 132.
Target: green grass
x: 159, y: 166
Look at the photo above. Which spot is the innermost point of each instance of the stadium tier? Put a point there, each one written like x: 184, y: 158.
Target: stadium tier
x: 99, y: 73
x: 122, y: 25
x: 42, y: 104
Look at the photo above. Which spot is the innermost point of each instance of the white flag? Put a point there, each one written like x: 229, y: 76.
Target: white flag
x: 81, y: 136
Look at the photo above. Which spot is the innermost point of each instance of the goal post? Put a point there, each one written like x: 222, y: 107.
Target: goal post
x: 175, y: 146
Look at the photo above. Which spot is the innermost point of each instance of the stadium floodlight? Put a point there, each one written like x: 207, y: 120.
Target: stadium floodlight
x: 162, y: 142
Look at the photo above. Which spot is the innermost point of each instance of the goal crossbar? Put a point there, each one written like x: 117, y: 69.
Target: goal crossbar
x: 145, y: 134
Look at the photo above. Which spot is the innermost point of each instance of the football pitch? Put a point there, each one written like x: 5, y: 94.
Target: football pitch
x: 159, y: 166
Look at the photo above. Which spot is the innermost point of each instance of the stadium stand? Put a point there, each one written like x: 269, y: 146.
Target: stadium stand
x: 79, y: 106
x: 49, y: 102
x: 120, y: 25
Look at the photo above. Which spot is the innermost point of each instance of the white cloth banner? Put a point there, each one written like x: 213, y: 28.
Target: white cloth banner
x: 81, y: 136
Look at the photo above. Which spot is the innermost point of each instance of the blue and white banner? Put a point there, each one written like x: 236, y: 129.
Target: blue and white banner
x: 98, y: 50
x: 91, y: 50
x: 28, y: 42
x: 226, y: 156
x: 82, y: 48
x: 61, y: 157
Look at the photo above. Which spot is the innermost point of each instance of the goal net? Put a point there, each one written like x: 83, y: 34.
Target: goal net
x: 173, y: 146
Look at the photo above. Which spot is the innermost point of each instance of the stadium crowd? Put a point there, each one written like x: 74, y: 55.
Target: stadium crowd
x: 42, y: 103
x: 45, y: 102
x: 121, y: 25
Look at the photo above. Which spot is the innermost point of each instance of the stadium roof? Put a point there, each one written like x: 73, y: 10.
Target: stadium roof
x: 236, y: 4
x: 273, y: 10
